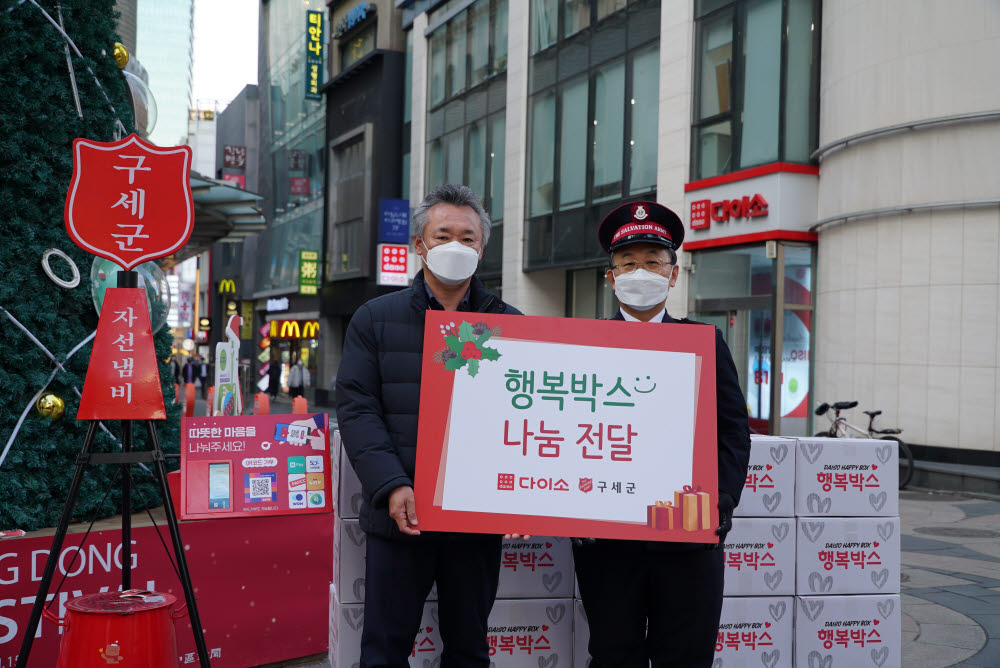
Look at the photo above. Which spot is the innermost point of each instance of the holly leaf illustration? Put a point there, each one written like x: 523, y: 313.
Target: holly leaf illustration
x: 483, y: 338
x: 465, y: 332
x: 473, y: 367
x: 491, y: 354
x: 453, y: 342
x: 455, y: 363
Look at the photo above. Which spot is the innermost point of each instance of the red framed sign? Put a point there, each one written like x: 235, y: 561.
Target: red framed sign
x: 567, y: 427
x: 129, y: 201
x: 255, y: 465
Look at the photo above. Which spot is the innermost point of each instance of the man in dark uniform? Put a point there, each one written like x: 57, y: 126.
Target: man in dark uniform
x: 651, y: 601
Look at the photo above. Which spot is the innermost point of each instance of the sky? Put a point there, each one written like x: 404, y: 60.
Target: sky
x: 225, y: 50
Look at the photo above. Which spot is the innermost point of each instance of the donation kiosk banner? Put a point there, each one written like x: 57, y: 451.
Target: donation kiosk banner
x: 567, y: 427
x: 255, y: 465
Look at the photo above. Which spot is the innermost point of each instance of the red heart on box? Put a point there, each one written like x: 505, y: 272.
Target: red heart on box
x: 770, y: 545
x: 548, y: 545
x: 875, y: 544
x: 874, y: 466
x: 875, y: 621
x: 767, y: 625
x: 544, y: 627
x: 768, y: 467
x: 429, y: 629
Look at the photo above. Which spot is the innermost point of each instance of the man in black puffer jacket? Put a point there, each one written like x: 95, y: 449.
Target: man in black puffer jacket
x: 378, y: 396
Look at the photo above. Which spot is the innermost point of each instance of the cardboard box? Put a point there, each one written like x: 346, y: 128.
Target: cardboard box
x: 769, y: 490
x: 541, y: 567
x: 529, y: 633
x: 760, y: 557
x: 755, y: 632
x: 335, y: 447
x: 349, y: 495
x: 844, y: 477
x: 347, y: 622
x: 581, y: 636
x: 349, y: 545
x: 847, y: 555
x: 848, y: 631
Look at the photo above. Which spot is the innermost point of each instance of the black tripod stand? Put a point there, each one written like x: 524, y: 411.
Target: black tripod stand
x: 86, y: 458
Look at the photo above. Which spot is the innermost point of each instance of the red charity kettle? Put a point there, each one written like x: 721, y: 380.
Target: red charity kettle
x: 127, y: 629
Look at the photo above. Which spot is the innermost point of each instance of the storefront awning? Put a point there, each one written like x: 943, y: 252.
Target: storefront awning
x: 222, y: 212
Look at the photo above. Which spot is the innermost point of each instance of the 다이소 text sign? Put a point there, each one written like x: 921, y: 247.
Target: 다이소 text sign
x: 563, y: 427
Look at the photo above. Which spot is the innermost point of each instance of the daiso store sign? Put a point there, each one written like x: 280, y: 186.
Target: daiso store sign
x: 775, y: 201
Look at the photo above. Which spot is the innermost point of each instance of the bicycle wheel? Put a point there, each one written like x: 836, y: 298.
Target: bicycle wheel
x: 905, y: 461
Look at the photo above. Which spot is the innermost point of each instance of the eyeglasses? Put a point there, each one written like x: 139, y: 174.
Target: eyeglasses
x: 648, y: 265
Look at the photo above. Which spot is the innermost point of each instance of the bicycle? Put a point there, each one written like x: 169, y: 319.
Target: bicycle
x: 841, y: 428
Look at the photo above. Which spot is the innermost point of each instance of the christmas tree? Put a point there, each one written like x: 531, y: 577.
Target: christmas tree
x: 38, y: 123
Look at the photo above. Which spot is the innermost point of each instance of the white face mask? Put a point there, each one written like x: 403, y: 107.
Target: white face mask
x: 642, y: 289
x: 452, y: 263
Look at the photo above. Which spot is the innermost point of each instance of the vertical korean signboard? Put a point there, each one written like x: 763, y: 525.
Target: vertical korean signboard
x: 544, y: 426
x: 308, y: 272
x: 314, y: 54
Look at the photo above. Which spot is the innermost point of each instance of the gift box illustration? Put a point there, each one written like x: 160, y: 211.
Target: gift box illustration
x: 690, y: 510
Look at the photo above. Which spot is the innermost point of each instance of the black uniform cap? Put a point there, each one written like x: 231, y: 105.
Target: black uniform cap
x: 640, y: 221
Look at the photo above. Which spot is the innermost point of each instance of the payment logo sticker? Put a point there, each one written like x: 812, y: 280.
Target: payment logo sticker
x: 296, y: 464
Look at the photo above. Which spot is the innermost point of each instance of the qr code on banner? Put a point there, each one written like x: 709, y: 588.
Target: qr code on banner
x: 260, y: 487
x: 297, y: 435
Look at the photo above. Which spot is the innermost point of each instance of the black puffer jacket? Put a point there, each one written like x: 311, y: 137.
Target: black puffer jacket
x: 378, y: 392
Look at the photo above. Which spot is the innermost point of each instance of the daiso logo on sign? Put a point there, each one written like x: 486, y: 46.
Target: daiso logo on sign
x: 703, y: 212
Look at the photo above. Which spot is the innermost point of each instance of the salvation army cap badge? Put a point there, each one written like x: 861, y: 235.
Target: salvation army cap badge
x: 640, y: 221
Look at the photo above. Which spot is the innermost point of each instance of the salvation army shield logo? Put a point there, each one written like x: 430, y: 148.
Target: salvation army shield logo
x: 586, y: 484
x: 129, y: 201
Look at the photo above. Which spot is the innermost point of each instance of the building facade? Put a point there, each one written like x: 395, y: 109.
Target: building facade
x: 164, y: 43
x: 842, y: 224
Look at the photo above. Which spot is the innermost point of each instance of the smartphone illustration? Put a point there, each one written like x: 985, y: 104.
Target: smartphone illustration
x: 218, y: 486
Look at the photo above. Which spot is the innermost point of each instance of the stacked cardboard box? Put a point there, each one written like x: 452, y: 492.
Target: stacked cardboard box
x: 532, y: 619
x: 758, y: 609
x: 848, y: 553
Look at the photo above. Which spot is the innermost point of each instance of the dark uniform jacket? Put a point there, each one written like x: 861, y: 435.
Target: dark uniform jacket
x: 378, y: 391
x: 733, y: 424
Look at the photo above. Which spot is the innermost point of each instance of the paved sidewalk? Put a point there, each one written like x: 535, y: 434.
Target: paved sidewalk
x: 951, y: 580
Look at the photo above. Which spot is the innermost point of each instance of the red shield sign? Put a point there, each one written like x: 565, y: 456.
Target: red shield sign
x: 129, y: 201
x: 586, y: 484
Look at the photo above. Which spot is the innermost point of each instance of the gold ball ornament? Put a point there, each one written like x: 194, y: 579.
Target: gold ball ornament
x: 121, y: 55
x: 50, y: 406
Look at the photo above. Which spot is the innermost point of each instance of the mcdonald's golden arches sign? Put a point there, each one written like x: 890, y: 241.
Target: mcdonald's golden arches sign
x: 294, y: 329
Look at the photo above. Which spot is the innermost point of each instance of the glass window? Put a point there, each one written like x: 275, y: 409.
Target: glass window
x: 437, y: 66
x: 752, y: 107
x: 762, y: 60
x: 347, y: 186
x: 476, y: 158
x: 576, y: 16
x: 453, y: 157
x: 498, y: 39
x: 716, y: 65
x: 643, y: 108
x: 606, y: 7
x: 435, y: 164
x: 456, y: 55
x: 543, y: 118
x: 573, y: 147
x: 544, y: 24
x: 406, y: 177
x: 497, y: 162
x: 609, y: 130
x: 591, y: 296
x: 800, y: 97
x: 479, y: 44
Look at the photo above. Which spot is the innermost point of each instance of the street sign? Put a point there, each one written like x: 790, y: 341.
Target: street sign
x: 308, y: 272
x: 129, y: 201
x: 393, y: 221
